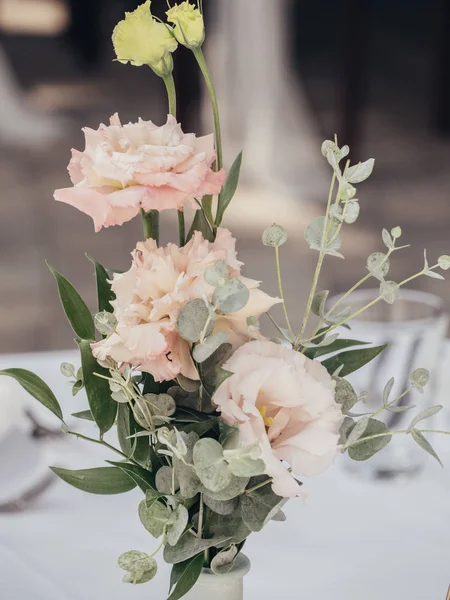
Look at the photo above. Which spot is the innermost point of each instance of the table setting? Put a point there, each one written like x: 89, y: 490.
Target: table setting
x: 207, y: 438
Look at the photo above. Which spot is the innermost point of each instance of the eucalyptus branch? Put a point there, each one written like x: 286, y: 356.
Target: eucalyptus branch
x: 280, y: 287
x: 389, y: 404
x: 318, y: 267
x: 102, y: 443
x: 366, y: 307
x: 160, y: 545
x: 387, y: 433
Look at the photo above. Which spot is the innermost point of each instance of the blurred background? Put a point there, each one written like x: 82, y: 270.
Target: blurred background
x: 289, y: 74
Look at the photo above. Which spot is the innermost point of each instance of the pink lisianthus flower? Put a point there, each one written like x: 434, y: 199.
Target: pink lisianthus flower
x: 151, y: 294
x: 128, y: 167
x: 285, y: 402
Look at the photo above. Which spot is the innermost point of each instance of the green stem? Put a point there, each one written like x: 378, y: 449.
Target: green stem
x: 389, y: 404
x: 150, y: 222
x: 181, y: 227
x: 259, y: 485
x: 171, y: 94
x: 172, y: 98
x: 434, y: 431
x: 200, y: 58
x: 201, y: 61
x: 375, y: 436
x: 280, y: 287
x: 318, y: 267
x: 161, y: 544
x: 200, y: 517
x: 103, y: 443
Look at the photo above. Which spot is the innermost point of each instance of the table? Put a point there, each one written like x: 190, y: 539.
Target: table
x: 354, y: 539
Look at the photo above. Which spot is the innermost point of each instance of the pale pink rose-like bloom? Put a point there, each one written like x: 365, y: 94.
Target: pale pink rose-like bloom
x: 149, y: 298
x: 140, y: 165
x: 285, y: 402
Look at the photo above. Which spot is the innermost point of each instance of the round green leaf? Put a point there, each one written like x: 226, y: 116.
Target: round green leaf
x: 274, y: 236
x: 193, y: 318
x: 210, y: 465
x: 231, y: 297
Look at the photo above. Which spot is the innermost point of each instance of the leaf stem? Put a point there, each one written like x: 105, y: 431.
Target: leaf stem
x: 258, y: 486
x: 318, y: 267
x: 161, y: 544
x: 171, y: 94
x: 280, y: 287
x: 150, y: 222
x: 201, y: 61
x: 181, y: 228
x: 103, y: 443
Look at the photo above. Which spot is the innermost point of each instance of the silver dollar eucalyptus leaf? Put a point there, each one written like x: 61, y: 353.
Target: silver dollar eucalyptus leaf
x: 223, y: 562
x: 387, y: 239
x: 351, y: 212
x: 154, y: 518
x: 217, y: 274
x: 396, y: 232
x: 444, y: 262
x: 178, y: 521
x: 318, y: 303
x: 231, y: 297
x: 210, y: 465
x: 193, y: 318
x: 165, y: 481
x: 336, y: 213
x: 204, y: 350
x: 359, y: 172
x: 389, y: 291
x: 328, y: 243
x: 260, y: 505
x: 221, y: 507
x: 344, y: 394
x: 105, y: 322
x: 378, y: 265
x: 139, y: 566
x: 67, y: 369
x: 419, y: 379
x: 365, y: 449
x: 274, y: 236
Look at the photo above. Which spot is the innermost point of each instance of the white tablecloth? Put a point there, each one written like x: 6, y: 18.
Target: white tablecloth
x: 355, y: 539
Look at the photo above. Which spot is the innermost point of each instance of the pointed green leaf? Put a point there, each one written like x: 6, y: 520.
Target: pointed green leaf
x: 77, y: 312
x: 229, y: 188
x: 337, y: 345
x: 103, y: 407
x: 184, y: 576
x: 35, y: 386
x: 425, y: 444
x: 201, y: 224
x: 142, y: 477
x: 425, y: 414
x: 83, y: 414
x: 104, y: 292
x: 101, y: 480
x: 352, y: 360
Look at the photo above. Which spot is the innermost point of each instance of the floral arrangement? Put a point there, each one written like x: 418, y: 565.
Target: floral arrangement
x: 217, y: 424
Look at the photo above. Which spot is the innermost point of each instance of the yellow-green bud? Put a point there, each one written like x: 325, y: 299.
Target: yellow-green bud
x: 189, y: 26
x: 142, y: 40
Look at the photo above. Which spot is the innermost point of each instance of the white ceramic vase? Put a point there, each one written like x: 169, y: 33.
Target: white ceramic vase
x: 229, y: 586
